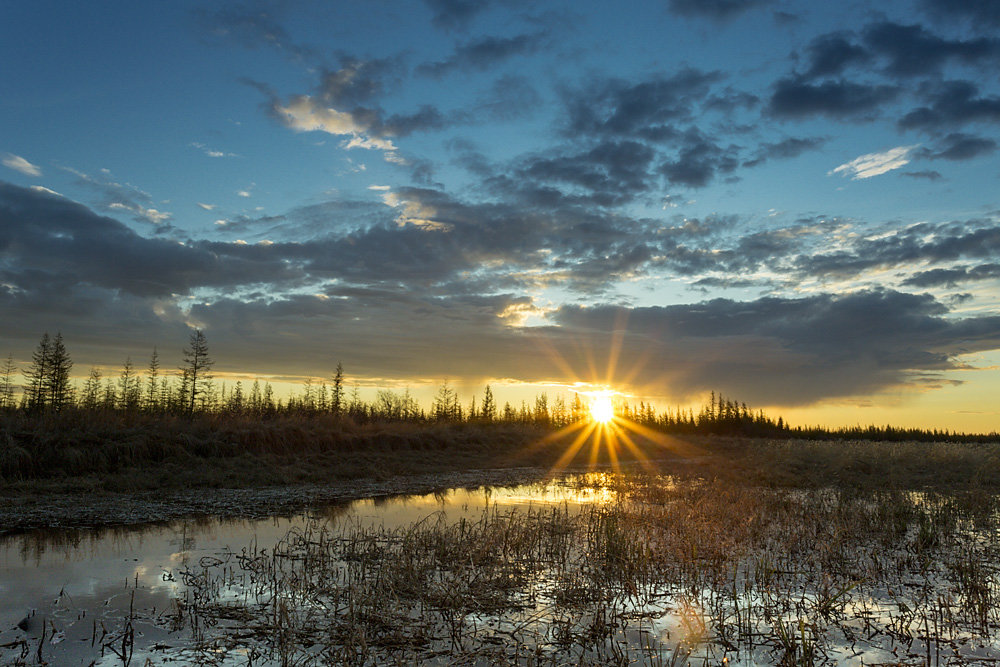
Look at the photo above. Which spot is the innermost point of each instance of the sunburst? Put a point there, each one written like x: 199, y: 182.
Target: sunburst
x: 604, y: 432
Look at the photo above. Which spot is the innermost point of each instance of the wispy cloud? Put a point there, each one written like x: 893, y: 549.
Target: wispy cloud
x: 875, y: 164
x: 210, y: 152
x: 18, y: 163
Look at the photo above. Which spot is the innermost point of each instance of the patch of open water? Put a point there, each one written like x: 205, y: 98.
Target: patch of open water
x: 67, y: 595
x: 701, y: 576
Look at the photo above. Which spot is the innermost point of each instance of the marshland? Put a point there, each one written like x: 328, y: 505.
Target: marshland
x: 755, y: 552
x: 218, y: 528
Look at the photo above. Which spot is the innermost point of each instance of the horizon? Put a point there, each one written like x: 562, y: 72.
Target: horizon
x: 790, y: 203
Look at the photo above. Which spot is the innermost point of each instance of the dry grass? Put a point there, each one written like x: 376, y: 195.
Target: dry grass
x: 668, y: 573
x: 91, y: 451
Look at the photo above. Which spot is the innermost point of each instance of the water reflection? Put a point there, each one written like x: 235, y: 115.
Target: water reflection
x: 79, y: 586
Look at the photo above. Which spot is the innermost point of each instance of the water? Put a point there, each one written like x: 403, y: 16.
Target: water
x: 652, y: 571
x: 76, y: 590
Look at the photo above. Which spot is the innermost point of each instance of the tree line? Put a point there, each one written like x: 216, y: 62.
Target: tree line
x: 191, y: 389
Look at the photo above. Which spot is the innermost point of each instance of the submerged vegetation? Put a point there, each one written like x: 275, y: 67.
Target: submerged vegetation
x: 643, y: 569
x: 661, y: 574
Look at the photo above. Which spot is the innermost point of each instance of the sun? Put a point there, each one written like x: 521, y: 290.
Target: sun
x: 601, y: 409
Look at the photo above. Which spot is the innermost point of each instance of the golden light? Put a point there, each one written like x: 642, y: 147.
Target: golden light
x: 597, y: 433
x: 601, y: 409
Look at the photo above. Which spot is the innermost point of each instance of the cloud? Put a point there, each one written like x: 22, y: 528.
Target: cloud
x: 951, y: 278
x: 343, y: 105
x: 452, y: 14
x: 698, y: 161
x: 509, y: 98
x: 797, y: 98
x: 717, y: 10
x: 116, y: 197
x: 611, y: 172
x: 976, y: 12
x: 648, y: 109
x: 960, y: 146
x: 484, y: 53
x: 150, y: 215
x: 875, y: 164
x: 211, y: 152
x: 911, y: 50
x: 791, y: 147
x: 789, y: 351
x: 253, y: 29
x: 304, y: 114
x: 53, y: 241
x: 929, y: 175
x: 952, y: 104
x: 453, y: 284
x: 207, y: 207
x: 19, y: 164
x: 831, y: 54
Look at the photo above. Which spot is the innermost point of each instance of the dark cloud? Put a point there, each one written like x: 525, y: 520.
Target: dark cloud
x: 611, y: 172
x: 922, y: 243
x: 951, y: 278
x: 790, y: 351
x: 911, y: 50
x: 48, y: 236
x: 952, y: 104
x: 717, y: 10
x: 831, y: 54
x: 786, y: 18
x: 785, y: 149
x: 698, y: 161
x: 646, y: 110
x: 383, y: 299
x: 929, y: 175
x: 509, y: 98
x: 484, y: 53
x: 357, y: 81
x: 797, y: 98
x: 977, y: 12
x: 450, y: 14
x: 253, y: 28
x: 960, y: 146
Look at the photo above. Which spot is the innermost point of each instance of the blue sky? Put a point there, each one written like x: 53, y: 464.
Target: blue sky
x: 791, y: 202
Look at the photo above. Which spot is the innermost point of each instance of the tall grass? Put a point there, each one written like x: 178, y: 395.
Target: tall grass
x: 667, y: 573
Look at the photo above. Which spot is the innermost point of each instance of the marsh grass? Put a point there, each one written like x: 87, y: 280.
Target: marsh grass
x: 92, y: 451
x: 666, y: 572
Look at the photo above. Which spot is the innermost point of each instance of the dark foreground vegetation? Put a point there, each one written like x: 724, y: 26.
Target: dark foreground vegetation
x: 87, y: 451
x: 652, y: 570
x: 660, y: 574
x: 153, y: 430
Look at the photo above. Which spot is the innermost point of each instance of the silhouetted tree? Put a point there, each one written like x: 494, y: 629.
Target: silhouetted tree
x: 337, y: 393
x: 35, y: 377
x: 57, y: 385
x: 7, y: 383
x: 196, y: 371
x: 129, y: 389
x: 489, y: 408
x: 152, y: 382
x: 91, y: 398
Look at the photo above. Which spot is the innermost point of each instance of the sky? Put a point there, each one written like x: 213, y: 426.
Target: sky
x: 792, y: 203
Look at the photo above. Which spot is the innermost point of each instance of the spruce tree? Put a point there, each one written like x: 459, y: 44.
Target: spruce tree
x: 196, y: 370
x: 488, y: 411
x: 34, y: 378
x: 152, y: 382
x: 7, y: 384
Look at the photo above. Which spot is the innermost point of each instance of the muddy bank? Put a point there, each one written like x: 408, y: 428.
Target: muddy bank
x: 22, y: 513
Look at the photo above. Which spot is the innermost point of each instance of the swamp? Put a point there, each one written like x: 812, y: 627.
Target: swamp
x: 793, y: 566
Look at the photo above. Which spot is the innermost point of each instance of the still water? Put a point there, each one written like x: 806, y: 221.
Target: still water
x: 104, y: 597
